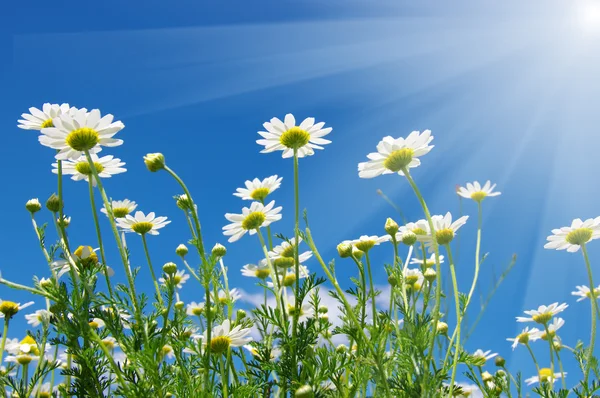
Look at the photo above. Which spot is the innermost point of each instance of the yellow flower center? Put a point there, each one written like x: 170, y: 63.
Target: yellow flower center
x: 292, y: 311
x: 283, y: 262
x: 223, y: 300
x: 364, y: 245
x: 478, y: 196
x: 166, y: 349
x: 220, y: 344
x: 85, y: 169
x: 542, y: 318
x: 419, y: 231
x: 47, y: 123
x: 294, y: 138
x: 289, y: 280
x: 288, y: 251
x: 91, y: 259
x: 548, y: 335
x: 177, y: 279
x: 9, y: 308
x: 108, y: 344
x: 82, y: 139
x: 262, y: 273
x: 142, y: 227
x: 94, y: 325
x: 24, y: 359
x: 444, y: 236
x: 523, y: 338
x: 411, y: 279
x: 197, y: 311
x: 546, y: 375
x: 398, y: 159
x: 44, y: 394
x: 254, y: 220
x: 120, y: 212
x: 579, y: 236
x: 260, y: 194
x: 33, y: 348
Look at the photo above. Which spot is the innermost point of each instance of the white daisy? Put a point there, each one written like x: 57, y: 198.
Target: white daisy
x: 571, y: 238
x: 44, y: 390
x: 258, y: 190
x: 73, y: 134
x: 525, y: 337
x: 195, y: 309
x: 97, y: 323
x: 80, y: 169
x: 40, y: 317
x: 395, y: 154
x: 483, y: 356
x: 260, y: 271
x: 142, y: 224
x: 412, y: 276
x: 553, y: 326
x: 445, y: 229
x: 286, y: 136
x: 545, y: 376
x: 110, y: 342
x: 274, y: 354
x: 306, y: 310
x: 289, y: 278
x: 543, y: 314
x: 365, y: 242
x: 429, y: 262
x: 9, y: 309
x: 252, y: 218
x: 223, y: 337
x: 476, y: 192
x: 286, y: 249
x: 584, y: 292
x: 234, y: 295
x: 38, y: 119
x: 167, y: 351
x: 120, y: 208
x: 178, y: 279
x: 123, y: 315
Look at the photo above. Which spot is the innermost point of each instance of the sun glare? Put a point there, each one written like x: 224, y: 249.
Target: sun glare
x: 589, y: 16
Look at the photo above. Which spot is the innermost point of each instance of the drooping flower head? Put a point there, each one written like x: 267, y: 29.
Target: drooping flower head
x: 259, y: 190
x: 395, y: 154
x: 476, y: 192
x: 483, y: 356
x: 8, y: 309
x: 252, y: 218
x: 260, y: 271
x: 80, y: 169
x: 286, y: 136
x: 428, y: 262
x: 74, y: 133
x: 571, y: 238
x: 543, y: 314
x: 178, y: 279
x: 142, y: 224
x: 38, y: 119
x: 120, y: 208
x: 553, y: 326
x: 286, y: 251
x: 366, y: 243
x: 224, y: 337
x: 525, y: 337
x: 40, y: 317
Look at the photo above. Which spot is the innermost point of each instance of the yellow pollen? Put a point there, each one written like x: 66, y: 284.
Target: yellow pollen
x: 108, y: 344
x: 545, y: 374
x: 176, y: 279
x: 579, y: 236
x: 120, y: 212
x: 398, y: 159
x: 220, y: 344
x: 44, y: 394
x: 142, y: 227
x: 223, y: 300
x: 85, y: 169
x: 288, y: 251
x: 523, y: 338
x: 364, y: 245
x: 283, y: 262
x: 82, y: 139
x: 90, y: 260
x: 197, y: 311
x: 444, y: 236
x: 478, y: 196
x: 260, y: 194
x: 289, y: 280
x: 294, y: 138
x: 94, y: 325
x: 253, y: 220
x: 167, y: 349
x: 47, y: 123
x: 542, y: 318
x: 262, y: 273
x: 9, y: 308
x: 24, y: 359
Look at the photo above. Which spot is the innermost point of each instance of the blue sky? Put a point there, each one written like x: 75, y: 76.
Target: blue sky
x: 506, y: 88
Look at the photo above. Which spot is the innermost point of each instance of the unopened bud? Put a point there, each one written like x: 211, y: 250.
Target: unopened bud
x: 499, y: 361
x: 240, y: 314
x: 305, y: 391
x: 430, y: 274
x: 179, y: 305
x: 409, y: 238
x: 33, y: 205
x: 219, y: 250
x: 393, y: 280
x: 154, y: 161
x: 391, y: 227
x: 442, y: 327
x: 170, y: 268
x: 344, y: 250
x: 181, y: 250
x: 53, y: 203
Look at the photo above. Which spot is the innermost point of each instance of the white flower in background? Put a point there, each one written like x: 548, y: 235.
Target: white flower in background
x: 259, y: 190
x: 274, y: 354
x: 110, y: 342
x: 73, y: 134
x: 286, y: 136
x: 195, y: 309
x: 179, y: 279
x: 40, y: 317
x: 167, y: 351
x: 120, y: 208
x: 483, y: 356
x: 80, y: 169
x: 142, y: 224
x: 260, y: 271
x: 61, y: 267
x: 394, y: 154
x: 469, y: 391
x: 365, y: 242
x: 413, y: 276
x: 22, y: 352
x: 252, y: 218
x: 289, y: 278
x: 38, y: 119
x: 545, y: 376
x: 286, y: 249
x: 526, y: 336
x: 476, y: 192
x: 44, y: 390
x: 553, y: 326
x: 584, y: 292
x: 543, y: 314
x: 445, y: 229
x: 571, y: 238
x: 305, y: 312
x: 97, y: 323
x: 123, y: 315
x: 234, y: 295
x: 429, y: 262
x: 8, y: 309
x: 223, y: 337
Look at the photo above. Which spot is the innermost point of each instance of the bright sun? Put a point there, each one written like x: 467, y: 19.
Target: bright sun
x: 589, y: 16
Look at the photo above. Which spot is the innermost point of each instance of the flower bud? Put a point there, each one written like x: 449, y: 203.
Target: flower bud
x: 179, y: 305
x: 323, y: 310
x: 33, y: 205
x: 240, y: 314
x: 391, y: 227
x: 486, y: 376
x: 183, y: 202
x: 344, y: 250
x: 64, y: 221
x: 393, y: 280
x: 53, y: 203
x: 442, y: 327
x: 219, y: 250
x: 154, y: 161
x: 170, y: 268
x: 499, y: 361
x: 305, y: 391
x: 341, y: 348
x: 181, y: 250
x: 409, y: 238
x: 356, y: 253
x: 46, y: 283
x: 283, y: 262
x: 430, y: 274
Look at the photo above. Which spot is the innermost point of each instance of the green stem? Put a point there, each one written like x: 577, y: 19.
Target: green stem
x: 224, y: 381
x: 100, y: 245
x: 560, y: 366
x: 549, y: 339
x: 533, y: 357
x: 4, y: 333
x: 273, y: 272
x: 371, y: 290
x: 593, y: 297
x: 156, y: 286
x: 226, y: 285
x: 297, y: 302
x: 458, y: 317
x: 396, y: 265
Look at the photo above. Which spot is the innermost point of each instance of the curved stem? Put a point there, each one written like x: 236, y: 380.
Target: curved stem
x: 560, y: 366
x: 371, y: 290
x: 533, y: 357
x: 156, y: 286
x: 458, y: 317
x: 594, y: 310
x: 100, y: 245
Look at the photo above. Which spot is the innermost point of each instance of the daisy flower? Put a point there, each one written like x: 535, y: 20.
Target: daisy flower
x: 167, y: 351
x: 289, y: 278
x: 260, y: 271
x: 252, y: 218
x: 80, y: 169
x: 258, y: 190
x: 8, y: 309
x: 365, y: 242
x: 413, y: 276
x: 120, y: 208
x: 22, y: 352
x: 571, y: 238
x: 476, y: 192
x: 73, y: 134
x: 38, y: 318
x: 553, y: 326
x: 483, y: 356
x: 286, y: 136
x: 584, y: 292
x: 223, y: 337
x: 142, y: 224
x: 234, y: 295
x: 110, y: 342
x: 38, y: 119
x: 274, y: 354
x: 525, y: 337
x: 545, y: 376
x: 286, y: 250
x: 178, y: 279
x: 305, y: 312
x: 44, y: 390
x: 395, y: 154
x: 445, y: 229
x: 195, y: 309
x: 429, y: 262
x: 97, y: 323
x: 543, y: 314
